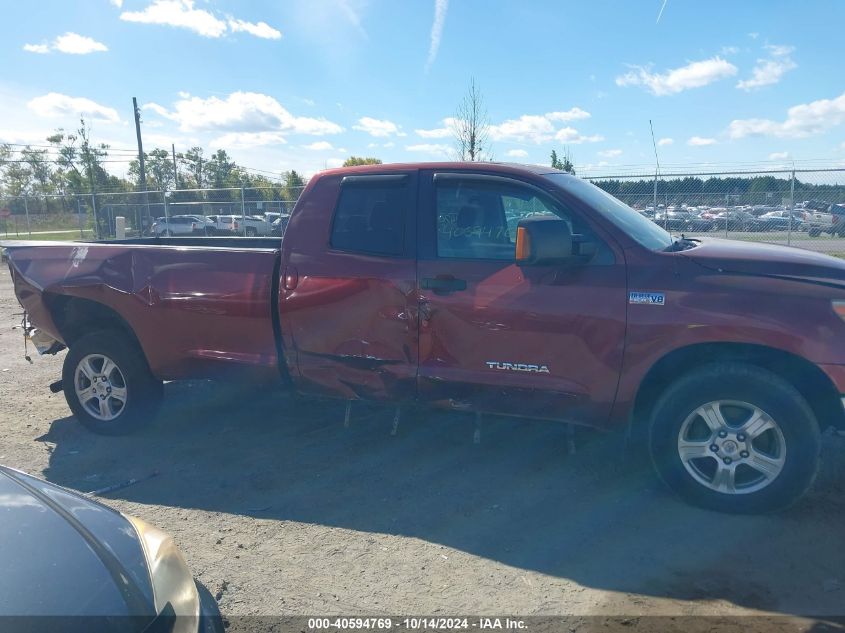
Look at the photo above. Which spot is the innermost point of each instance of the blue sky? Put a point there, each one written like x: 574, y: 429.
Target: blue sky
x: 303, y: 85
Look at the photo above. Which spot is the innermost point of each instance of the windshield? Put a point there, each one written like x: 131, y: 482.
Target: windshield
x: 640, y: 228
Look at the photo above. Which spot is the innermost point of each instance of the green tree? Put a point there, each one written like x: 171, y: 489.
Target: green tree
x: 192, y: 160
x: 80, y: 161
x: 293, y: 185
x: 354, y: 161
x: 564, y: 165
x: 159, y: 170
x: 40, y: 168
x: 221, y: 171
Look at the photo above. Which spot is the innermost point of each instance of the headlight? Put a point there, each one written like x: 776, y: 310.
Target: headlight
x: 839, y: 308
x: 172, y: 581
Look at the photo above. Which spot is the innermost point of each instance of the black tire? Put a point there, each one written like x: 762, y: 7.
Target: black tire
x: 814, y: 232
x: 251, y: 231
x: 143, y: 392
x: 735, y: 384
x: 210, y: 619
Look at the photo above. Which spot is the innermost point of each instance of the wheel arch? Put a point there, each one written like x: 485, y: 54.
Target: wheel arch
x: 807, y: 378
x: 75, y: 317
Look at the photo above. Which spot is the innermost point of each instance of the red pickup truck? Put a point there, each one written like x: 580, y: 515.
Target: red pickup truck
x: 480, y: 287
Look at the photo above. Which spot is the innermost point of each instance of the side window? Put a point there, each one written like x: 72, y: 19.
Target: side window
x: 478, y: 220
x: 370, y: 217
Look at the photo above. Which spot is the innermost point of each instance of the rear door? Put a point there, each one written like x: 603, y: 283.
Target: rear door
x: 348, y: 303
x: 543, y: 341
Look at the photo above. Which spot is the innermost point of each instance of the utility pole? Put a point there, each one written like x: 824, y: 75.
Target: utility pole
x: 656, y: 175
x: 142, y: 171
x: 175, y: 172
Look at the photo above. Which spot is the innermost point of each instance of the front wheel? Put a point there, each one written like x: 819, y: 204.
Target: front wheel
x: 735, y: 438
x: 108, y: 385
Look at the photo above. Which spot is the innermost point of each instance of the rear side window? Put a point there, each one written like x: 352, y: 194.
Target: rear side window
x: 370, y: 216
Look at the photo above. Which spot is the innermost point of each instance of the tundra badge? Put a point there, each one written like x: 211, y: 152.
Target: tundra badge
x: 647, y: 298
x: 538, y: 369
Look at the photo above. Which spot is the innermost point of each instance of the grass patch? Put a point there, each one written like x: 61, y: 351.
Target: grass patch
x: 62, y: 236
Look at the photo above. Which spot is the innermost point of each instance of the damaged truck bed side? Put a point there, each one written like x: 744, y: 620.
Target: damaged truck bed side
x: 480, y: 287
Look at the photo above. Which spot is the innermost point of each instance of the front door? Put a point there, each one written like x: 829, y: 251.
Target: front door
x: 541, y: 341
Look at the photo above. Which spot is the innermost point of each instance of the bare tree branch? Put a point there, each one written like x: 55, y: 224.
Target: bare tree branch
x: 472, y: 126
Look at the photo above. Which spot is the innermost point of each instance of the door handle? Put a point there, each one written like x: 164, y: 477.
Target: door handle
x: 443, y: 285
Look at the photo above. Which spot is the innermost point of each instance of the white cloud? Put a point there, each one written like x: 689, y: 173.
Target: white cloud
x: 517, y: 153
x: 388, y: 145
x: 319, y: 146
x: 440, y: 8
x: 534, y: 128
x: 699, y: 141
x: 440, y: 132
x: 41, y: 49
x: 70, y: 43
x: 573, y: 114
x: 258, y: 29
x: 242, y: 112
x: 246, y: 140
x: 610, y: 153
x: 56, y: 105
x: 693, y: 75
x: 540, y: 128
x: 331, y: 163
x: 572, y: 136
x: 182, y: 14
x: 665, y: 141
x: 75, y: 44
x: 778, y: 155
x: 376, y: 127
x: 802, y: 120
x: 770, y: 70
x: 430, y: 148
x: 117, y: 3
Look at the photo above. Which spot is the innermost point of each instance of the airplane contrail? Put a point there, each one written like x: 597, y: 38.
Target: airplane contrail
x: 665, y: 2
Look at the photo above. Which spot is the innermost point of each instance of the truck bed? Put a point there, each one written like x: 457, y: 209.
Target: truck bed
x: 196, y: 305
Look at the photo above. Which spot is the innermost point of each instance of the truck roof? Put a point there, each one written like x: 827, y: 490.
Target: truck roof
x: 504, y: 168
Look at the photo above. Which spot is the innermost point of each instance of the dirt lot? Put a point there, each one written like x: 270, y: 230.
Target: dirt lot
x: 279, y: 509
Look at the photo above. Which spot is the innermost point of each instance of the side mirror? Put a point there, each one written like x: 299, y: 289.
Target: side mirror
x: 543, y: 240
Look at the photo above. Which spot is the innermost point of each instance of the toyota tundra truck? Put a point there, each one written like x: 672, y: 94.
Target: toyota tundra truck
x: 481, y: 287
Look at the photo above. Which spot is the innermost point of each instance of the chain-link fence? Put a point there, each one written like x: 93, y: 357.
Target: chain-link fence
x: 801, y: 207
x: 231, y: 211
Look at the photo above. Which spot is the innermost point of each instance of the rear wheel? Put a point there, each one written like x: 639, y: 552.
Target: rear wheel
x: 735, y: 438
x: 108, y: 385
x: 251, y: 231
x: 813, y: 232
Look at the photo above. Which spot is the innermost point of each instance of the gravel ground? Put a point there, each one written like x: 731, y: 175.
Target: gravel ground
x: 279, y: 509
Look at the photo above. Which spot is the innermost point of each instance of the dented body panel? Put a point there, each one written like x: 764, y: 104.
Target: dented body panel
x: 195, y: 311
x: 565, y: 343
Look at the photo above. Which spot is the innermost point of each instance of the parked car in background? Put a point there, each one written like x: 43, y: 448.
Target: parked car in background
x: 64, y: 555
x: 247, y: 225
x: 829, y: 220
x: 183, y: 225
x: 779, y: 221
x: 683, y: 220
x: 738, y: 221
x: 279, y: 225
